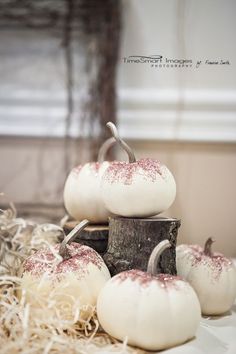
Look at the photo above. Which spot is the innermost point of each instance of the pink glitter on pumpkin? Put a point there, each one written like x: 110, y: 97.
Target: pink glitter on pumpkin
x: 44, y: 261
x: 76, y: 170
x: 216, y: 262
x: 95, y: 166
x: 144, y: 279
x: 124, y: 172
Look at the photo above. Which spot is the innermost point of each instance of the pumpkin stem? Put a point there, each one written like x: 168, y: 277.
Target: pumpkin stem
x: 155, y: 255
x: 121, y: 142
x: 104, y: 148
x: 63, y: 250
x: 207, y: 247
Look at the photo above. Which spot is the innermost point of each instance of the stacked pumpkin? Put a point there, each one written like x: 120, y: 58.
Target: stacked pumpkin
x: 153, y: 311
x: 98, y: 189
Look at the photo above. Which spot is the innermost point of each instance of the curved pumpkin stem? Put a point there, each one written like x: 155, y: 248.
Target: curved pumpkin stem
x: 121, y: 142
x: 63, y: 250
x: 104, y: 148
x: 207, y: 247
x: 155, y: 255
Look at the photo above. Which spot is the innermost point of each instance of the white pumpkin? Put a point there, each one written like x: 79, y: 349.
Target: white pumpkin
x: 137, y: 188
x: 212, y: 275
x: 153, y: 312
x: 82, y: 196
x: 69, y: 284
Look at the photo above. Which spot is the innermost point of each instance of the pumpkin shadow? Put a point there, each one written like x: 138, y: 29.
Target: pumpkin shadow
x: 219, y: 317
x: 139, y: 350
x: 233, y: 308
x: 169, y: 349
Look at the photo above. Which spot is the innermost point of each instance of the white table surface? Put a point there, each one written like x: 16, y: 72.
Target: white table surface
x: 216, y: 335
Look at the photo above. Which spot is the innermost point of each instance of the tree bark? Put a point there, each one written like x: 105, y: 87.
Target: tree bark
x: 131, y: 242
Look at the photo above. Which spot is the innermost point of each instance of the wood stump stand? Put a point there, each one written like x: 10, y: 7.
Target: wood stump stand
x: 131, y: 241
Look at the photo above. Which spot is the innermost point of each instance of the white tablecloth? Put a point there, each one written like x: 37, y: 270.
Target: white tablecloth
x: 216, y: 335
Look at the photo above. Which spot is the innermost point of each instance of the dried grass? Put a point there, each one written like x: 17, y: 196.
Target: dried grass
x: 22, y: 330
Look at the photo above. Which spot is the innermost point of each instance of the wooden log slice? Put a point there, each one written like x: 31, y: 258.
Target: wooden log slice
x: 131, y: 241
x: 95, y: 236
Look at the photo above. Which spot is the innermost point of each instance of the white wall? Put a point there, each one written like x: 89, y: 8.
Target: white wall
x: 198, y: 30
x: 196, y: 104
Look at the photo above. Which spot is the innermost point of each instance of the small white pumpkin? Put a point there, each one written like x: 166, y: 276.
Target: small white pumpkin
x: 137, y: 188
x: 82, y: 197
x: 153, y: 312
x: 212, y: 275
x: 70, y: 283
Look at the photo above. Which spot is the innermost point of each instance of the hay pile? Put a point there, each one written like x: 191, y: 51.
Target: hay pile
x: 21, y: 331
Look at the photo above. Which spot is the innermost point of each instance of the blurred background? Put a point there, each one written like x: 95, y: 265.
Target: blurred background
x: 67, y: 67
